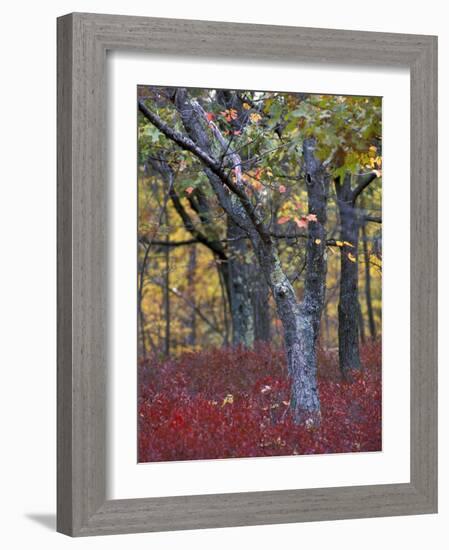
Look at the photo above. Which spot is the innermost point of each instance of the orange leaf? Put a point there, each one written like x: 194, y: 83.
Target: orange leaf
x: 283, y: 219
x: 189, y: 190
x: 301, y: 222
x: 230, y: 114
x: 311, y: 218
x: 258, y: 173
x: 210, y: 116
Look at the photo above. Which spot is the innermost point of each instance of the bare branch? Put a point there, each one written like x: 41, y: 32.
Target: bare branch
x: 187, y: 144
x: 374, y: 219
x: 362, y: 183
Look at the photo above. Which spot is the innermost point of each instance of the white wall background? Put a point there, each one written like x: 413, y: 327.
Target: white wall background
x: 27, y: 275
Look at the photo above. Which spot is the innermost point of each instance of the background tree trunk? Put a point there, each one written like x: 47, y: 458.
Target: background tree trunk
x: 261, y: 305
x: 239, y: 282
x: 191, y: 269
x: 361, y: 323
x: 368, y: 298
x: 348, y: 325
x: 167, y: 289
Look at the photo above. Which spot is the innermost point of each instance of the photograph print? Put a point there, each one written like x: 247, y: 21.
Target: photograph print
x: 259, y: 273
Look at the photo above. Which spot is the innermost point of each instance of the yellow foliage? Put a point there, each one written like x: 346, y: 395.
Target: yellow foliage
x: 255, y: 117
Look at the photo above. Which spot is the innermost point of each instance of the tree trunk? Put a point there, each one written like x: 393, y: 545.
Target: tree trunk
x: 301, y: 322
x: 142, y: 321
x: 369, y: 303
x: 261, y: 305
x: 191, y: 269
x: 240, y: 288
x: 298, y: 336
x: 348, y: 327
x: 167, y: 291
x: 361, y: 323
x: 316, y: 268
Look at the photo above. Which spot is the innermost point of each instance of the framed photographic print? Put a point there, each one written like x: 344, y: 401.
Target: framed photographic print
x: 246, y: 274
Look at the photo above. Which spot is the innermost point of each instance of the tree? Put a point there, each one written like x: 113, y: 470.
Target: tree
x: 300, y: 322
x: 348, y: 307
x: 367, y: 261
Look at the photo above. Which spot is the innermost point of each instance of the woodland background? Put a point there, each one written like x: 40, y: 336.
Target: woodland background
x: 259, y: 229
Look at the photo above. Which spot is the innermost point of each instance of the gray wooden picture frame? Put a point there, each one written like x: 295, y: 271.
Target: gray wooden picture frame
x: 83, y: 40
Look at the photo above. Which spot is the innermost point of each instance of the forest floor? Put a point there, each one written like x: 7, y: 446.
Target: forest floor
x: 229, y: 403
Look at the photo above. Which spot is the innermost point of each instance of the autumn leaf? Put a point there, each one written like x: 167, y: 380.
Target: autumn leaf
x: 258, y: 173
x: 311, y: 218
x: 229, y: 399
x: 230, y: 114
x: 255, y: 117
x: 283, y: 219
x: 189, y: 190
x: 351, y: 257
x: 282, y: 189
x: 301, y: 222
x: 246, y: 106
x: 210, y: 117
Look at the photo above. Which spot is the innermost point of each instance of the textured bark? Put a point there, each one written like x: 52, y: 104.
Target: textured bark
x: 368, y: 298
x: 301, y: 321
x: 298, y: 336
x: 142, y: 320
x: 191, y: 268
x: 316, y: 268
x: 348, y: 327
x: 240, y: 289
x: 361, y: 323
x: 167, y: 291
x: 261, y: 305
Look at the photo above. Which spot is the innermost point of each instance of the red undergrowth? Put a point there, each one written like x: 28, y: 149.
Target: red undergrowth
x: 228, y: 403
